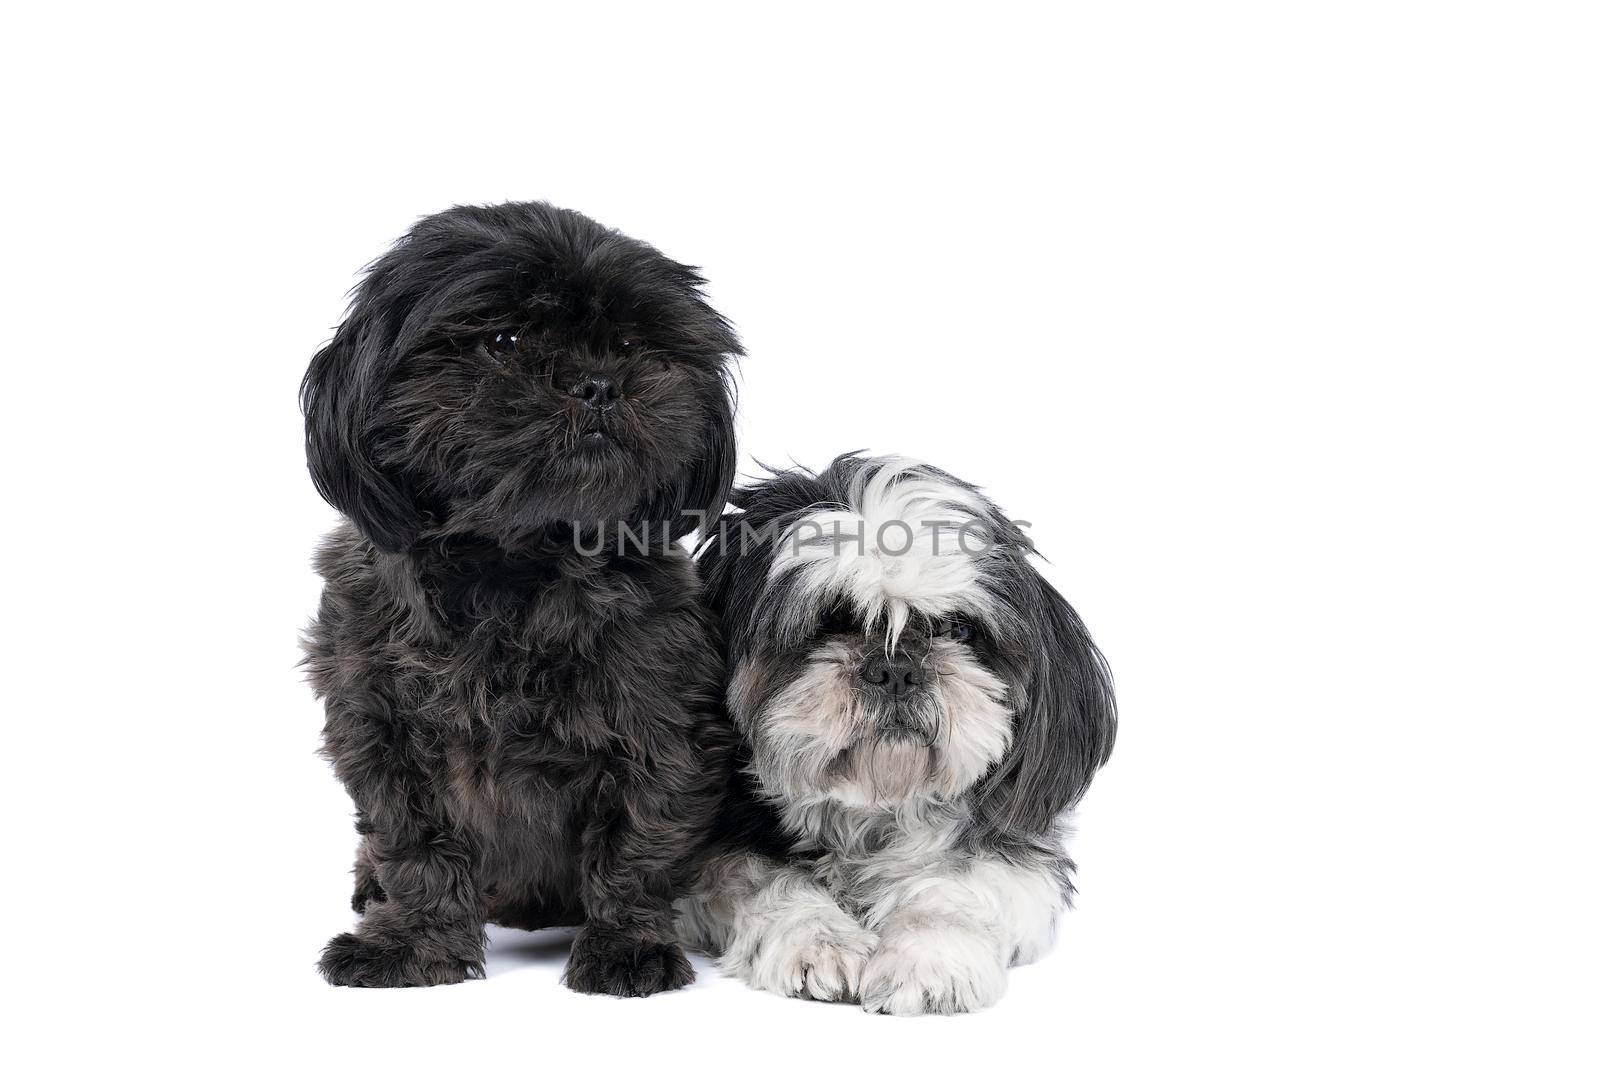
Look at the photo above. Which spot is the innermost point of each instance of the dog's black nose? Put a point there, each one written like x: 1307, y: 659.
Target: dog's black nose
x: 596, y: 391
x: 897, y: 674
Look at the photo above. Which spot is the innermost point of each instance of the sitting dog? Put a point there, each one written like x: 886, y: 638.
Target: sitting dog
x: 920, y: 709
x: 524, y: 704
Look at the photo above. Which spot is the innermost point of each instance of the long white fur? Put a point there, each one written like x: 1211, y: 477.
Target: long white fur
x: 896, y: 914
x: 775, y: 928
x: 899, y: 912
x: 950, y: 919
x: 902, y: 541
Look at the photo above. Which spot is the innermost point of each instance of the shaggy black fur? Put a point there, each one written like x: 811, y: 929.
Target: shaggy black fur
x: 531, y: 733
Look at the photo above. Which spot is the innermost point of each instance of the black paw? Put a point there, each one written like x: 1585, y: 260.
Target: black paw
x: 623, y: 966
x: 368, y: 891
x: 353, y: 960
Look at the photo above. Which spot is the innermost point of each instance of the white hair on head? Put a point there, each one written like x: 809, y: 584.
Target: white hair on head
x: 905, y: 538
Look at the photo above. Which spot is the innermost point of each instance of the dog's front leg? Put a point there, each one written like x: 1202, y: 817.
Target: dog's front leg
x: 425, y: 925
x: 948, y: 936
x: 775, y: 927
x: 638, y: 838
x: 367, y: 890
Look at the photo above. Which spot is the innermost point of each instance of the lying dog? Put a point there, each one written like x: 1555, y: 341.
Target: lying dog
x: 526, y: 714
x: 920, y: 708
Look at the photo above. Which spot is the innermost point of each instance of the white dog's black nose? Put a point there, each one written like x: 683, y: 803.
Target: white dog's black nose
x: 897, y: 674
x: 596, y: 391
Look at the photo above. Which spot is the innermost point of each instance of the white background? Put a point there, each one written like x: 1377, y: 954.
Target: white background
x: 1277, y: 320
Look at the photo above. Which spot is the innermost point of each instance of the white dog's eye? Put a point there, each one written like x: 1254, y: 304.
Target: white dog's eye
x: 958, y: 630
x: 836, y: 621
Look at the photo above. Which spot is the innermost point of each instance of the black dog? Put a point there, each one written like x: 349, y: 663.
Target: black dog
x: 523, y: 703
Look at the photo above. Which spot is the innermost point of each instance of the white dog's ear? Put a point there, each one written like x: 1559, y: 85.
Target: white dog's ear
x: 1064, y: 726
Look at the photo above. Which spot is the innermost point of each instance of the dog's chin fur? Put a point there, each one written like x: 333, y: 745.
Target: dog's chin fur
x: 583, y: 487
x: 528, y: 720
x: 821, y: 736
x: 882, y: 771
x: 914, y: 847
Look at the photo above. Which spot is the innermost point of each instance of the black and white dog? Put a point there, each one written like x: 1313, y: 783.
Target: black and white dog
x: 921, y: 709
x: 527, y: 715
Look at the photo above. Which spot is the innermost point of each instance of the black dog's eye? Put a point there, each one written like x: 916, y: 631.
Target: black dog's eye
x: 957, y: 629
x: 501, y: 344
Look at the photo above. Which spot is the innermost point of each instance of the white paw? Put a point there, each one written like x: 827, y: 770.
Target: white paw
x: 819, y: 957
x: 939, y: 967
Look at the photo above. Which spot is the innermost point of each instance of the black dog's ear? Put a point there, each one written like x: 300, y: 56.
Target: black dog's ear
x: 710, y: 481
x: 338, y: 395
x: 1064, y: 729
x: 694, y: 502
x: 705, y: 487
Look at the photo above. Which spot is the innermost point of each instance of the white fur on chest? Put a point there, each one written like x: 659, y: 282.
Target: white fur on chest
x: 882, y: 862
